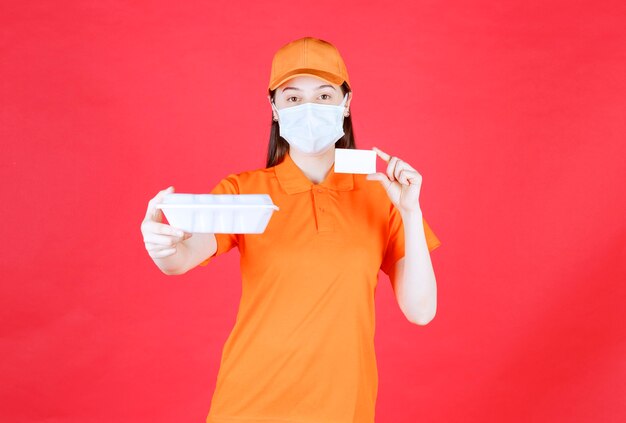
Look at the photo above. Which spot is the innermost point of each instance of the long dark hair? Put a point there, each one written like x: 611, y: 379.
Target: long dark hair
x: 278, y: 146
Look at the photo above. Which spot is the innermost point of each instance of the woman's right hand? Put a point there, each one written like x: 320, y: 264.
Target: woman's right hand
x: 161, y: 240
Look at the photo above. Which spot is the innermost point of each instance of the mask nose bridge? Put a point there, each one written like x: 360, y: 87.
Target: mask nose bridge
x: 310, y: 115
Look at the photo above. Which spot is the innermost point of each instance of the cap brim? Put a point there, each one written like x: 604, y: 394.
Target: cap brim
x: 327, y: 77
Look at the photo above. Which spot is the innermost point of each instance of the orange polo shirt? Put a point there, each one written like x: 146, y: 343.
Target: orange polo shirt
x: 302, y: 347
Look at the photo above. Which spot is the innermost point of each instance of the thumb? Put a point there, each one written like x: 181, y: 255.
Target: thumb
x: 382, y: 178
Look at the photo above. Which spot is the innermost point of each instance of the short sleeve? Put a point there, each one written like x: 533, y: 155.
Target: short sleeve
x: 225, y: 242
x: 395, y: 242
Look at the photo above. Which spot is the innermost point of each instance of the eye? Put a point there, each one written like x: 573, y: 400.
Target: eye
x: 289, y: 98
x: 328, y: 96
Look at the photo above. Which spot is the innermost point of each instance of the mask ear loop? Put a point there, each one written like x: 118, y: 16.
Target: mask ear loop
x: 343, y: 103
x: 345, y: 98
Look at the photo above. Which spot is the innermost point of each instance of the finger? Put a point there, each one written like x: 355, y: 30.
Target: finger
x: 404, y: 165
x: 391, y: 168
x: 159, y: 199
x: 400, y: 166
x: 406, y: 176
x: 414, y: 180
x: 402, y: 177
x: 155, y: 243
x: 152, y: 212
x: 153, y: 230
x: 163, y: 253
x: 163, y: 240
x: 162, y: 229
x: 152, y: 247
x: 381, y: 154
x: 414, y: 177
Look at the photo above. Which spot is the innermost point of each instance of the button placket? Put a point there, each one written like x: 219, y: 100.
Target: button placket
x: 323, y: 218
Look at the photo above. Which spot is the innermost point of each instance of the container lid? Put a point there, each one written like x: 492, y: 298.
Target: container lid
x: 231, y: 201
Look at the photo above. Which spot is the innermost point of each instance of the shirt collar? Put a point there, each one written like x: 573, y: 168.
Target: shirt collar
x: 293, y: 180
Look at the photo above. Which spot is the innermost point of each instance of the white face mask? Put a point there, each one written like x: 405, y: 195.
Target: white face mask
x: 310, y: 127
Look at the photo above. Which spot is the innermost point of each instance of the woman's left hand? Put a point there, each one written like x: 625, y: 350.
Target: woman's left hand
x: 401, y: 182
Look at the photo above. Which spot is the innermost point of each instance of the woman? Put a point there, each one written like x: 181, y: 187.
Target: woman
x: 302, y: 347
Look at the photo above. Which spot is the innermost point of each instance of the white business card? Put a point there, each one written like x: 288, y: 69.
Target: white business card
x: 348, y: 160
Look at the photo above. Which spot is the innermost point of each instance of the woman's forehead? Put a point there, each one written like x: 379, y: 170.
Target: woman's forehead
x: 306, y: 82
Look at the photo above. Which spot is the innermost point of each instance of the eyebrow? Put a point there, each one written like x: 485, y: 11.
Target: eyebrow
x: 321, y: 86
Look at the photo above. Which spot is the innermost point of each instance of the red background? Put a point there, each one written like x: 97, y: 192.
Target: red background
x: 513, y: 112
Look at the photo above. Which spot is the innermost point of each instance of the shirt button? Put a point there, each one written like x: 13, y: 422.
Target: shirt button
x: 320, y: 190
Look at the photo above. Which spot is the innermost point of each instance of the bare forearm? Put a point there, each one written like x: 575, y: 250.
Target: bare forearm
x: 416, y: 288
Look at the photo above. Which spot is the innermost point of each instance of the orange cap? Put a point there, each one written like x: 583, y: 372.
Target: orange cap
x: 308, y: 56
